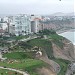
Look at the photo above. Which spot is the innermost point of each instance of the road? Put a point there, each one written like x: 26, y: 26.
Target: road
x: 21, y: 72
x: 71, y: 68
x: 69, y: 72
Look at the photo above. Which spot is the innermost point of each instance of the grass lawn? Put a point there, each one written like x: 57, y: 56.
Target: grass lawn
x: 8, y: 72
x: 56, y: 39
x: 46, y: 45
x: 25, y: 62
x: 19, y: 55
x: 26, y: 65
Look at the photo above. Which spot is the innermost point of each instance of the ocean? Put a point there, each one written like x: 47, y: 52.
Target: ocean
x: 70, y: 35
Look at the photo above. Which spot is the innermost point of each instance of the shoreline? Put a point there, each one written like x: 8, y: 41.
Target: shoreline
x: 65, y: 32
x: 70, y: 30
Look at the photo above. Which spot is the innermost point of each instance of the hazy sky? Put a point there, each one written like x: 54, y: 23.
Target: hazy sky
x: 36, y: 6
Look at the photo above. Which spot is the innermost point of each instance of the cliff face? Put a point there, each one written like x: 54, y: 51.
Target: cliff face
x: 68, y: 49
x: 67, y: 52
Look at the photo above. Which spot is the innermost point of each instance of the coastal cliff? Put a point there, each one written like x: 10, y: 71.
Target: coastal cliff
x: 56, y: 53
x: 67, y: 52
x: 61, y: 55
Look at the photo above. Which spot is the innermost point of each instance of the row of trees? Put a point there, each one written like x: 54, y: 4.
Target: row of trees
x: 47, y: 32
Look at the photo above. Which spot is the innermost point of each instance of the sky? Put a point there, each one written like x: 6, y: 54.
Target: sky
x: 36, y: 6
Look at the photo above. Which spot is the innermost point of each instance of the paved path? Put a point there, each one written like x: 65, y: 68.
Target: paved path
x: 24, y: 73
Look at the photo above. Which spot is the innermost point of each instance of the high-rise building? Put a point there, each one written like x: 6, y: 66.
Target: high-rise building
x: 35, y: 24
x: 3, y: 26
x: 21, y: 25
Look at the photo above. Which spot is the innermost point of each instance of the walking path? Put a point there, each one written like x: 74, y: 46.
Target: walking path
x: 24, y: 73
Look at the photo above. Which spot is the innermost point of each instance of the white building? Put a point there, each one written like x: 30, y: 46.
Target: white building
x: 5, y: 19
x: 3, y: 26
x: 21, y: 25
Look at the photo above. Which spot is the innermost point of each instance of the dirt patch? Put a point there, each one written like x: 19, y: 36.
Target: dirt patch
x: 45, y: 71
x: 66, y: 53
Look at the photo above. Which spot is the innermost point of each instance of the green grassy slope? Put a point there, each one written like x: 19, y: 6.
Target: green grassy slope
x: 44, y: 44
x: 30, y: 64
x: 24, y: 62
x: 19, y: 55
x: 8, y: 72
x: 56, y: 39
x: 63, y: 65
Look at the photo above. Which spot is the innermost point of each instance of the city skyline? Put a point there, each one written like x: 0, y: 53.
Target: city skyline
x: 36, y: 6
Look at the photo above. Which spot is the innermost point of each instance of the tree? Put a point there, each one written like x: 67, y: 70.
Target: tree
x: 47, y: 32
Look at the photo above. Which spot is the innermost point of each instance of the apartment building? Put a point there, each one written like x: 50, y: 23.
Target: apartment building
x: 3, y: 26
x: 20, y: 25
x: 35, y: 24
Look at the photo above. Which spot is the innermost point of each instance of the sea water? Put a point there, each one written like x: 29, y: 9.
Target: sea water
x: 70, y: 35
